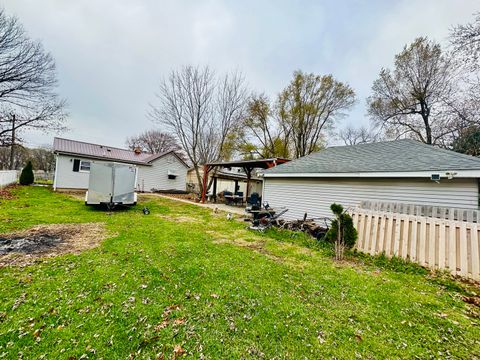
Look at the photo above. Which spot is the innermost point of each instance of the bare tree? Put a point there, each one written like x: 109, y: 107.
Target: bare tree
x: 27, y: 84
x: 465, y: 40
x: 465, y: 104
x: 262, y: 133
x: 201, y: 110
x: 42, y: 158
x: 361, y: 135
x: 154, y: 142
x: 416, y: 98
x: 309, y: 106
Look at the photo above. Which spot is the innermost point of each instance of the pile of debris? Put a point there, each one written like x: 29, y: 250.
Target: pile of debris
x: 316, y: 228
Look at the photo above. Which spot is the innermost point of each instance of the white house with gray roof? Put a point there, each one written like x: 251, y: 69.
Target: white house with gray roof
x: 401, y: 171
x: 165, y: 171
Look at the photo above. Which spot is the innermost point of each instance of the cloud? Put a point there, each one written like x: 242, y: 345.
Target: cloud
x: 111, y: 54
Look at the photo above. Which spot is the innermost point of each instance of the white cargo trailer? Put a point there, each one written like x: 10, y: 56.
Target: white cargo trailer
x: 111, y: 184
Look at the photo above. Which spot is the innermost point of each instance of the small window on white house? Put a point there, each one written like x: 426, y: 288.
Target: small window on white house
x: 171, y: 175
x: 85, y: 166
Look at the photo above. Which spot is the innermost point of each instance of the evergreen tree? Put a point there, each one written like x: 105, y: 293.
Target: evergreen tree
x: 26, y: 177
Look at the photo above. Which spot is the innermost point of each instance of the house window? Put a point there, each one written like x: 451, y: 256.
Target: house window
x: 171, y: 175
x: 84, y: 166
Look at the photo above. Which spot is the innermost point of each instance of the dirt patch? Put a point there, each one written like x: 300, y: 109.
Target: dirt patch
x: 256, y: 245
x: 6, y: 192
x: 189, y: 196
x: 76, y: 194
x: 25, y: 247
x: 179, y: 219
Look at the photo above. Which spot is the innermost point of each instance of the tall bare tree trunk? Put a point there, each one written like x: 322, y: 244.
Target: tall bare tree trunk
x: 12, y: 145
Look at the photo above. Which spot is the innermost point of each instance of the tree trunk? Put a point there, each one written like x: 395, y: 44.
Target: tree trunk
x: 12, y: 146
x: 425, y: 116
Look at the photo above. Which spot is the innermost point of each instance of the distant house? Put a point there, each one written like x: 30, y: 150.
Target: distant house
x: 228, y: 179
x: 165, y: 171
x: 401, y: 171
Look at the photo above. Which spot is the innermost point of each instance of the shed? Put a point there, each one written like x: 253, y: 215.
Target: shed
x: 400, y: 171
x: 165, y: 171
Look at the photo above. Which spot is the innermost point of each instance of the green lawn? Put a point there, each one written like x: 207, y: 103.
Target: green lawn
x: 185, y: 278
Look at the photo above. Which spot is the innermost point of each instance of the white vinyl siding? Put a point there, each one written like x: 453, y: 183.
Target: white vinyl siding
x: 149, y: 177
x: 66, y: 178
x: 314, y: 196
x: 156, y: 176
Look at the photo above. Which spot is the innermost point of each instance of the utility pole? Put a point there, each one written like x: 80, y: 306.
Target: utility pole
x: 12, y: 145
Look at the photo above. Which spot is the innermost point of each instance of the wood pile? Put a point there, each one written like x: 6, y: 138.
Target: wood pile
x: 308, y: 226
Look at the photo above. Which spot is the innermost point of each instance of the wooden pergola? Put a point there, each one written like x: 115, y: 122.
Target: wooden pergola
x: 246, y: 165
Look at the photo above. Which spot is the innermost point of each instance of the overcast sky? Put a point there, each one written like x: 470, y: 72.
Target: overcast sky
x: 111, y: 54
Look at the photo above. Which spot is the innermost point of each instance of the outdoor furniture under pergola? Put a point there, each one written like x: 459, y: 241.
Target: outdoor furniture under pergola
x: 246, y: 165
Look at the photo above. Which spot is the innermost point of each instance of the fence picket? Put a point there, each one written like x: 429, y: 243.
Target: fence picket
x: 388, y: 235
x: 413, y: 243
x: 396, y: 243
x: 475, y: 255
x: 431, y: 243
x: 452, y: 247
x: 463, y: 248
x: 368, y: 230
x: 381, y: 234
x: 373, y: 237
x: 423, y: 235
x: 441, y: 245
x: 406, y: 236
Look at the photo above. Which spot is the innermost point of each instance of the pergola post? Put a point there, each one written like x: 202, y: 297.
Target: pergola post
x: 248, y: 171
x: 214, y: 189
x: 206, y: 170
x: 246, y: 165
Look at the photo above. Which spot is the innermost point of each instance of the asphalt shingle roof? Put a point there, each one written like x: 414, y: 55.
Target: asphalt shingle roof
x: 390, y: 156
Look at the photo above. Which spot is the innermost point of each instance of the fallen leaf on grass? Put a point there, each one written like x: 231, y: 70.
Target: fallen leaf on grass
x: 320, y: 337
x: 161, y: 326
x: 215, y: 296
x: 178, y: 351
x: 178, y: 322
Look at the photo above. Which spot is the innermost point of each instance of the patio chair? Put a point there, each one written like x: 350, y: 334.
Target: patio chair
x: 254, y: 199
x: 239, y: 199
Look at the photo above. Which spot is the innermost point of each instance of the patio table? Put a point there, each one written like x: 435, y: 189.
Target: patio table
x: 233, y: 199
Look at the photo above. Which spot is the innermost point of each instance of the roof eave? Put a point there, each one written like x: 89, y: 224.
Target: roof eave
x: 61, y: 152
x: 405, y: 174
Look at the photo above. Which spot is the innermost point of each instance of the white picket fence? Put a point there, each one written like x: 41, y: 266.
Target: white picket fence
x: 7, y: 177
x: 435, y: 243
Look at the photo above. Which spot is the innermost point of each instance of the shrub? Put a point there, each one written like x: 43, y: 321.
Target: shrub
x: 26, y: 177
x: 342, y: 232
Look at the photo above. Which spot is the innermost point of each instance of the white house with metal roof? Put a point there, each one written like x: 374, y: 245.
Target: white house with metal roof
x: 401, y: 171
x: 165, y: 171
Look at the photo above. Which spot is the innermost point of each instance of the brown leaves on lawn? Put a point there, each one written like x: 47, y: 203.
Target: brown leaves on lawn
x: 167, y: 320
x: 6, y: 193
x: 69, y: 239
x: 178, y: 351
x: 473, y: 300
